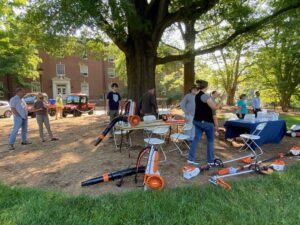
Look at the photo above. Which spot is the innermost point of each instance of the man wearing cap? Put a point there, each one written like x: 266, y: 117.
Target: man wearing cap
x: 256, y: 103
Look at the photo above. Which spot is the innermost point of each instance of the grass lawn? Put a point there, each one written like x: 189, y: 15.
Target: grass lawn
x: 290, y: 120
x: 273, y: 199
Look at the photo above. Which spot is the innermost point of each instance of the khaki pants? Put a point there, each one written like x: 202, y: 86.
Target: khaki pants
x: 44, y: 119
x: 113, y: 114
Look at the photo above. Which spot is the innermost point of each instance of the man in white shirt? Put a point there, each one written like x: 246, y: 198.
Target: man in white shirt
x: 20, y: 113
x: 256, y: 103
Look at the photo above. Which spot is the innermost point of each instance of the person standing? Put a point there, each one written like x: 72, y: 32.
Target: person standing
x: 112, y: 102
x: 20, y: 114
x: 203, y: 122
x: 242, y: 106
x: 187, y: 104
x: 59, y: 106
x: 149, y: 104
x: 41, y: 109
x: 256, y: 103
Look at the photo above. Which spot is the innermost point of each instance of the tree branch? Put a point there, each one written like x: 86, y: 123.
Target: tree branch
x: 171, y: 46
x: 196, y: 9
x: 216, y: 46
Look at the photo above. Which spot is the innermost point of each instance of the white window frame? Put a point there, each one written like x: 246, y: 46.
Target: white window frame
x: 82, y: 70
x: 88, y: 88
x: 62, y: 87
x: 111, y: 72
x: 111, y: 59
x: 2, y: 86
x: 58, y: 72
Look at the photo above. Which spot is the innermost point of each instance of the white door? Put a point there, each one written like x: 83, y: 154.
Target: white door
x: 61, y: 89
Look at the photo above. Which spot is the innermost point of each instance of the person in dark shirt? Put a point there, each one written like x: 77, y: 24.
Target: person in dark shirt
x: 148, y: 103
x: 113, y: 100
x: 203, y: 122
x: 41, y: 110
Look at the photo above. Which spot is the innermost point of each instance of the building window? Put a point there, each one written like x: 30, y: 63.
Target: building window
x: 84, y: 70
x: 111, y: 72
x: 84, y: 88
x: 111, y: 59
x: 35, y: 86
x: 60, y: 69
x: 1, y: 89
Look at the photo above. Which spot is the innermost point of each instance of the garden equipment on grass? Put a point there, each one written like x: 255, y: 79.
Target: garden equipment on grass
x: 277, y: 165
x: 294, y: 131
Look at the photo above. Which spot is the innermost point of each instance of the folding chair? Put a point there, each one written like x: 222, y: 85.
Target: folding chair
x: 250, y: 140
x: 158, y: 141
x: 180, y: 140
x: 149, y: 118
x: 117, y: 133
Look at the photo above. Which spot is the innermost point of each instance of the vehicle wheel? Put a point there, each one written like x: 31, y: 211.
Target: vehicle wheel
x: 76, y: 113
x: 52, y: 112
x: 91, y: 112
x: 7, y: 114
x: 293, y: 134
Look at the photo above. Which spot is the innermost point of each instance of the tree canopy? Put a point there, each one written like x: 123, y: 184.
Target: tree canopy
x: 18, y: 55
x: 136, y: 26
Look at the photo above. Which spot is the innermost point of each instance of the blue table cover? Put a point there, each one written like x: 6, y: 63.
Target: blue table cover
x: 271, y: 134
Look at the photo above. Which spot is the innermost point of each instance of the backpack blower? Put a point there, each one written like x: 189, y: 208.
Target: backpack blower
x: 128, y: 117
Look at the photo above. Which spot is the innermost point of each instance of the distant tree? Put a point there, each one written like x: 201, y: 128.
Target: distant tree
x: 279, y: 59
x: 18, y: 55
x: 233, y: 66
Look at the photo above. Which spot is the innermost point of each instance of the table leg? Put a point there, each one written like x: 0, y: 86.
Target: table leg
x: 121, y: 141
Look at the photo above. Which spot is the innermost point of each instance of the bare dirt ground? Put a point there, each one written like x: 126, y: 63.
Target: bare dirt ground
x: 62, y: 165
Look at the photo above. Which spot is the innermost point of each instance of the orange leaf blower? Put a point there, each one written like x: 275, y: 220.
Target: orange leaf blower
x: 152, y: 178
x: 128, y: 117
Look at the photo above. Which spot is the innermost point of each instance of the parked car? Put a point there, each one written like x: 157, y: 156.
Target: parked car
x: 76, y: 104
x: 30, y: 98
x: 5, y: 110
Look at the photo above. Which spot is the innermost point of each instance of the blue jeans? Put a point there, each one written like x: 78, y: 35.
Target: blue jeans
x: 208, y: 128
x: 18, y: 123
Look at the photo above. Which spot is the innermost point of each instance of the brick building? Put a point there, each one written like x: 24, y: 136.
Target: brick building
x: 67, y: 75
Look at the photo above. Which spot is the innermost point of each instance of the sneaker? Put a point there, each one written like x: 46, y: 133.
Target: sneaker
x: 190, y: 172
x: 26, y: 143
x: 11, y: 147
x: 193, y: 162
x: 54, y: 139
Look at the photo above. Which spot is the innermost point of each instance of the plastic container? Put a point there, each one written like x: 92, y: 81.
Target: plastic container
x: 52, y: 101
x: 250, y: 118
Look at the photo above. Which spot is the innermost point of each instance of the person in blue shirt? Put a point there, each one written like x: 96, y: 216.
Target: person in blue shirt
x: 113, y: 100
x: 242, y: 106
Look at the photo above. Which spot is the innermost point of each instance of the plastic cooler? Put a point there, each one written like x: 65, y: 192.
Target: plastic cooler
x: 52, y: 101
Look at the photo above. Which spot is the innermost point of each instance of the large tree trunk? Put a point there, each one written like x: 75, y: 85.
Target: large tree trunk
x: 284, y: 102
x: 140, y: 63
x: 189, y: 75
x: 231, y: 96
x: 189, y: 37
